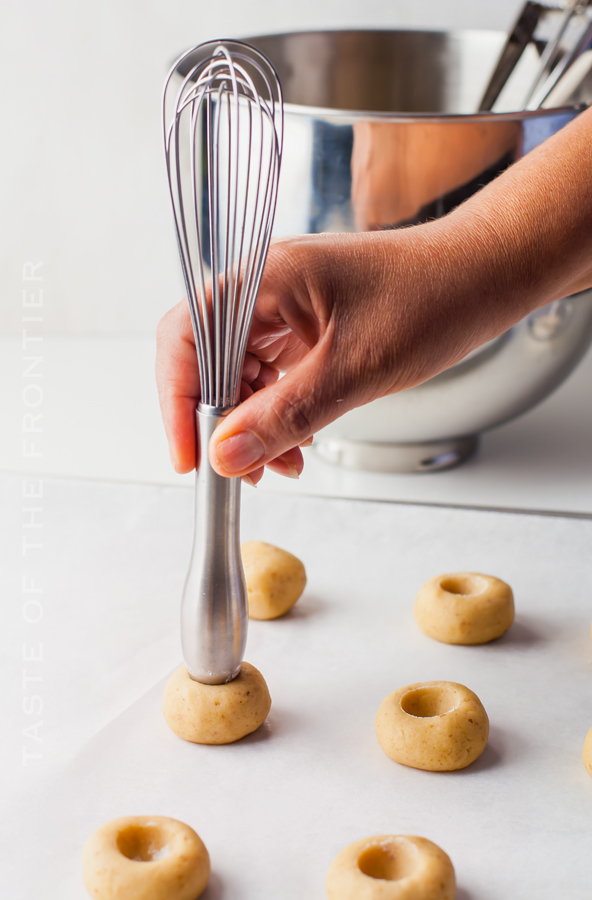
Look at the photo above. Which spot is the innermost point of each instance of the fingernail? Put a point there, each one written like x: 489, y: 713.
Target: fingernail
x: 292, y: 471
x: 248, y: 480
x: 307, y: 442
x: 173, y: 459
x: 240, y: 451
x: 282, y: 467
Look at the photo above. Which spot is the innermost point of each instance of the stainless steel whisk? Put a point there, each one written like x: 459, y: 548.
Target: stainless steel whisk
x: 223, y: 129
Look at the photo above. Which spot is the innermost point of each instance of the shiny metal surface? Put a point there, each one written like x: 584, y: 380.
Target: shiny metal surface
x: 223, y: 126
x: 214, y: 615
x: 557, y: 33
x: 431, y: 456
x: 561, y: 51
x: 222, y: 123
x: 381, y: 129
x: 383, y: 71
x: 514, y: 374
x: 568, y: 87
x: 521, y: 33
x: 394, y: 141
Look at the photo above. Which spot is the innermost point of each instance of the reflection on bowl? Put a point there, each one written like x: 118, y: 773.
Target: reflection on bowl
x: 380, y: 133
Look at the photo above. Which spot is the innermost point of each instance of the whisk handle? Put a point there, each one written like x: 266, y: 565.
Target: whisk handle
x: 214, y: 612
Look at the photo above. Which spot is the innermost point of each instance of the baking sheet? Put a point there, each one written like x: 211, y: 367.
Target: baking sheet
x: 275, y: 808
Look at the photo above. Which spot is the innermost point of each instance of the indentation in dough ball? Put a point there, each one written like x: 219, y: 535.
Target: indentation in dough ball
x: 145, y: 858
x: 427, y: 702
x: 465, y: 583
x: 391, y: 867
x: 275, y: 579
x: 142, y: 843
x: 587, y: 753
x: 439, y: 726
x: 389, y: 862
x: 216, y: 713
x: 464, y: 608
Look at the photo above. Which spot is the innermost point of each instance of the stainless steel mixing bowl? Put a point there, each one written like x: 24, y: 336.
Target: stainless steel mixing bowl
x: 381, y: 132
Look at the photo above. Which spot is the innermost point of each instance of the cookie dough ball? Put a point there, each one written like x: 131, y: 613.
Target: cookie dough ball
x: 216, y: 713
x: 587, y: 753
x: 437, y: 725
x: 275, y: 579
x: 391, y: 867
x: 145, y: 858
x: 464, y: 608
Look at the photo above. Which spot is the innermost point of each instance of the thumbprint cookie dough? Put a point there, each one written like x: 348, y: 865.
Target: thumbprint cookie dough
x: 587, y: 753
x: 216, y: 713
x: 145, y: 858
x: 438, y: 725
x: 464, y: 608
x: 391, y: 867
x: 275, y: 579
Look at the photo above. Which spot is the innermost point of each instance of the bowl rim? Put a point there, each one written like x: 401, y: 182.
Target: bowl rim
x: 333, y: 114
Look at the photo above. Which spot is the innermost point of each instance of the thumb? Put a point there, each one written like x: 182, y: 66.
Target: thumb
x: 280, y: 416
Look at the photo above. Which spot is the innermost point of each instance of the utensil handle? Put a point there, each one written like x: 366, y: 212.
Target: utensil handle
x: 214, y: 613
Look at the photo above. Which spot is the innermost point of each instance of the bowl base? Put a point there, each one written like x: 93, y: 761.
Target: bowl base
x: 430, y: 456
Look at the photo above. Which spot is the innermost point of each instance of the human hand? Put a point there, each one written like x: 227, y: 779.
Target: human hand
x: 353, y: 317
x: 348, y: 318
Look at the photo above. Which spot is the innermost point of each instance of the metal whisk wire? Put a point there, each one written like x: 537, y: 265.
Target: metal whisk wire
x: 225, y: 132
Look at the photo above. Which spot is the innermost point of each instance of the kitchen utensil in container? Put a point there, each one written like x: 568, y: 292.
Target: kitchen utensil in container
x: 223, y: 143
x: 568, y: 35
x: 556, y: 58
x: 521, y: 34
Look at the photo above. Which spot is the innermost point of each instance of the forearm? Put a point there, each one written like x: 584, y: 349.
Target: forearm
x: 455, y: 283
x: 533, y: 225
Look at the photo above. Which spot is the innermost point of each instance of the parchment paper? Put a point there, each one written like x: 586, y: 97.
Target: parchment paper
x: 275, y: 808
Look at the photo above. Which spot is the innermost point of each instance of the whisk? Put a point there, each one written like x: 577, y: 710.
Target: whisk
x: 223, y: 128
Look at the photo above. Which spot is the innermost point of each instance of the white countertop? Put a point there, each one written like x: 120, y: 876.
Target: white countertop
x: 275, y: 808
x: 101, y: 421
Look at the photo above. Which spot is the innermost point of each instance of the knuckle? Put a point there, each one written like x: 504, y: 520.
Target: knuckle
x: 291, y: 420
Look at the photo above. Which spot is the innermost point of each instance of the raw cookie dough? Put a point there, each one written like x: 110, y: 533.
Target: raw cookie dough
x: 275, y: 579
x: 464, y: 608
x: 391, y: 867
x: 145, y: 858
x: 437, y: 725
x: 587, y: 753
x: 216, y: 713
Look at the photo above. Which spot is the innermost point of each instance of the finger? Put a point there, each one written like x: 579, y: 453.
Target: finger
x: 253, y: 478
x: 289, y: 464
x: 282, y: 416
x: 256, y: 370
x: 177, y: 380
x: 246, y: 391
x: 251, y: 368
x: 267, y: 375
